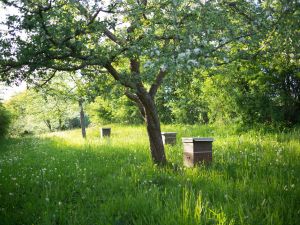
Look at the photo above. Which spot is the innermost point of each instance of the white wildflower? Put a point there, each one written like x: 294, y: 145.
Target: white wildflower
x: 148, y: 64
x: 226, y: 59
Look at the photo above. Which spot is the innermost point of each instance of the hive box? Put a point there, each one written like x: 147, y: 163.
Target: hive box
x: 105, y: 132
x: 197, y: 150
x: 169, y: 138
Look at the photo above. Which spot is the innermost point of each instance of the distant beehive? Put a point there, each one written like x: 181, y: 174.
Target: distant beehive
x: 197, y: 150
x: 105, y: 132
x: 169, y: 138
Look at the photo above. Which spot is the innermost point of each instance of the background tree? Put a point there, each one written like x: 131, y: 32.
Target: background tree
x: 33, y: 112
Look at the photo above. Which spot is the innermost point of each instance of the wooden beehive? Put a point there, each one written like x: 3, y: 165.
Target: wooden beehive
x: 197, y: 150
x: 105, y: 132
x: 169, y: 138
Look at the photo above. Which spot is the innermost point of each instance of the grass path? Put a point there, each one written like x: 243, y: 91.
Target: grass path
x: 61, y: 179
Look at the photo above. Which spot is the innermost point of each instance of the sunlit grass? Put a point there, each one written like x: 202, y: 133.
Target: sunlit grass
x: 59, y: 178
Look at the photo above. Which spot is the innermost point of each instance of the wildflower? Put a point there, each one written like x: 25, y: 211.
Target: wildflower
x: 148, y: 64
x: 47, y: 199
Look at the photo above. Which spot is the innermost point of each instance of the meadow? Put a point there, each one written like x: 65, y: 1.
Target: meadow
x: 59, y: 178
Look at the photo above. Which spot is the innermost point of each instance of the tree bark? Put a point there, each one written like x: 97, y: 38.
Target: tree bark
x: 60, y: 124
x: 82, y: 119
x: 48, y: 124
x: 153, y: 128
x: 145, y: 101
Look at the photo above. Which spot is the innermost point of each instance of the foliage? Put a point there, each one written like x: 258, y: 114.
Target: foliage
x: 34, y: 113
x: 253, y: 94
x: 254, y: 179
x: 5, y: 120
x: 113, y: 110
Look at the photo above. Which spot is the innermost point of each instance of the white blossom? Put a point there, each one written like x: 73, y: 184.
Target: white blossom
x: 181, y: 55
x: 188, y: 52
x: 193, y: 62
x: 197, y: 50
x: 164, y: 67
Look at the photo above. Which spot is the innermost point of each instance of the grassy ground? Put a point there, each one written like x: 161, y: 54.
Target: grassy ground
x: 61, y: 179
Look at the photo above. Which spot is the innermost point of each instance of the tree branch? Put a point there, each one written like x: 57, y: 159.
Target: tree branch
x: 112, y: 37
x: 47, y: 80
x: 158, y: 81
x: 117, y: 76
x: 135, y: 98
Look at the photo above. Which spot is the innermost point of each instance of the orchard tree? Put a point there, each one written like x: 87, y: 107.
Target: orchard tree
x: 69, y: 87
x: 137, y: 42
x: 33, y: 111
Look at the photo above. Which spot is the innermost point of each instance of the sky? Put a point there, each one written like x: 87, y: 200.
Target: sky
x: 8, y: 91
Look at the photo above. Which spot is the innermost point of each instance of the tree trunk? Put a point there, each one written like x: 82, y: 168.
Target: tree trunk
x: 153, y: 129
x: 82, y: 119
x: 60, y: 124
x: 48, y: 124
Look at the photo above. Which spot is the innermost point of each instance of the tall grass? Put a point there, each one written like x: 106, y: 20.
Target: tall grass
x: 60, y: 178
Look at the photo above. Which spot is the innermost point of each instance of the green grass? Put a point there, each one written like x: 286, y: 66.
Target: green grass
x: 61, y: 179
